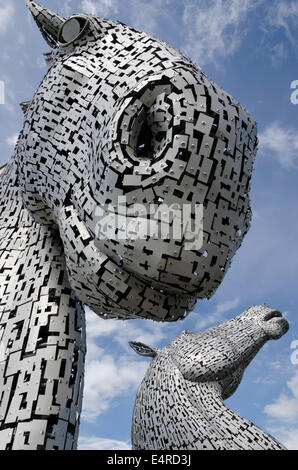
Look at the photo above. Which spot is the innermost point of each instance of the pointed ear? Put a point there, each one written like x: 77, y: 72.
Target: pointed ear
x: 143, y: 350
x: 47, y: 21
x: 25, y: 105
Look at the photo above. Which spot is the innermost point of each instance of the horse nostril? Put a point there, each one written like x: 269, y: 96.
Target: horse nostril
x: 271, y: 315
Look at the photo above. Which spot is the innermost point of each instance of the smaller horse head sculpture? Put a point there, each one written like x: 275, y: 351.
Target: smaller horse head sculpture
x: 180, y: 405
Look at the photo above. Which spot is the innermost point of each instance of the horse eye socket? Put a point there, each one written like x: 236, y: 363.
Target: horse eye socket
x: 72, y: 30
x: 144, y: 145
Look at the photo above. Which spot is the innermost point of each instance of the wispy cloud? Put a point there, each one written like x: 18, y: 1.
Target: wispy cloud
x: 278, y: 53
x: 285, y: 407
x: 283, y: 15
x: 148, y: 16
x: 281, y: 142
x: 288, y: 436
x: 124, y: 331
x: 280, y: 26
x: 109, y: 376
x: 141, y: 14
x: 66, y: 8
x: 218, y: 315
x: 284, y: 411
x: 100, y: 7
x: 100, y: 443
x: 7, y: 11
x: 215, y: 29
x: 12, y: 140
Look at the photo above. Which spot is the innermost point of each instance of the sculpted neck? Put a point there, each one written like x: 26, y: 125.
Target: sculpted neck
x: 10, y: 203
x: 22, y: 245
x: 30, y: 253
x: 227, y: 428
x: 188, y: 415
x: 41, y: 322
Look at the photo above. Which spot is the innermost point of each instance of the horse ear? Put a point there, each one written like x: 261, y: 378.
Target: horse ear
x: 47, y: 21
x: 143, y: 350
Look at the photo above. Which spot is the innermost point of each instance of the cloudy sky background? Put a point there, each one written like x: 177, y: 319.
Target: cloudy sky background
x: 249, y: 47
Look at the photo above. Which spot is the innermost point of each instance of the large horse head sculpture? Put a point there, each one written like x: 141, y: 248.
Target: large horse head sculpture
x: 128, y: 191
x: 180, y: 405
x: 124, y: 122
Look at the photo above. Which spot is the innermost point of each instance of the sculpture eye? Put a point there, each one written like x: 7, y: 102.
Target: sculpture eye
x: 72, y: 30
x: 145, y: 144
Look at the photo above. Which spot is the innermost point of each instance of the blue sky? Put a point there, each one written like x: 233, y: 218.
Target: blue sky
x: 249, y: 47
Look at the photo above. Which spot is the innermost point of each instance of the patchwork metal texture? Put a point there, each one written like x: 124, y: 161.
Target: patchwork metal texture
x: 119, y: 114
x: 42, y: 332
x: 123, y: 115
x: 180, y: 403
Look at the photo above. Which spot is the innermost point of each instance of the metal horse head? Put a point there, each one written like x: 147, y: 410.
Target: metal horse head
x: 124, y: 127
x: 180, y: 403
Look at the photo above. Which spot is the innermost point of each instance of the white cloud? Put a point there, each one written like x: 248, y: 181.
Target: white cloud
x: 143, y: 15
x: 7, y: 11
x: 40, y: 62
x: 99, y: 443
x: 67, y: 8
x: 215, y: 29
x: 125, y: 331
x: 100, y: 7
x: 287, y: 436
x: 7, y: 82
x: 285, y: 407
x: 281, y: 142
x: 284, y: 15
x: 110, y: 376
x: 275, y: 364
x: 146, y: 16
x: 12, y: 140
x: 278, y: 54
x: 21, y: 39
x: 218, y: 315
